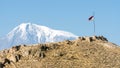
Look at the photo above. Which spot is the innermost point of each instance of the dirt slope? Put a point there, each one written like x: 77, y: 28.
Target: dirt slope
x: 84, y: 52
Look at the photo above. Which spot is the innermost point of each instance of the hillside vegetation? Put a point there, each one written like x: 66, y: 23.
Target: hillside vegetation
x: 84, y: 52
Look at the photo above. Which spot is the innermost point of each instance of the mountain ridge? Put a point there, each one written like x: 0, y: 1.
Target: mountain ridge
x: 28, y: 33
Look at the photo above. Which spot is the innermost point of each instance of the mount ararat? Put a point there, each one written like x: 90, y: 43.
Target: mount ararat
x: 28, y: 33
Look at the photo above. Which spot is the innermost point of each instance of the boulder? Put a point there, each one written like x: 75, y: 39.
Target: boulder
x: 88, y: 39
x: 14, y: 58
x: 42, y: 55
x: 43, y: 48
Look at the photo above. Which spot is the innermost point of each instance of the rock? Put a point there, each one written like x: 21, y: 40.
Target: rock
x: 6, y: 61
x: 14, y: 58
x: 93, y: 38
x: 103, y: 38
x: 1, y: 65
x: 43, y: 48
x: 42, y: 55
x: 68, y: 42
x: 81, y: 38
x: 14, y: 49
x: 88, y: 39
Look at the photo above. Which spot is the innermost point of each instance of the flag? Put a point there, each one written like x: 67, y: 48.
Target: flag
x: 90, y: 18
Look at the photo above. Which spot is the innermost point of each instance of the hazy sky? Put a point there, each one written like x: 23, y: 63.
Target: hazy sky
x: 68, y: 15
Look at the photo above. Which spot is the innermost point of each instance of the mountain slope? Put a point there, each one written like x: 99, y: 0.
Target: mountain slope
x: 27, y: 33
x: 84, y: 52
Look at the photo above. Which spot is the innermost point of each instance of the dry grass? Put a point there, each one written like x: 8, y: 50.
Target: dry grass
x: 68, y: 54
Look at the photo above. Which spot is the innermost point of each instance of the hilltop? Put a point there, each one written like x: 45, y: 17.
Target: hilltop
x: 84, y: 52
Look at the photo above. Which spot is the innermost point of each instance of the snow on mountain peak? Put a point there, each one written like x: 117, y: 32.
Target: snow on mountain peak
x: 23, y: 26
x: 28, y: 33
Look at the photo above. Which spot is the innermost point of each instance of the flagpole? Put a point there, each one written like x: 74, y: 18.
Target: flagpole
x: 94, y: 22
x: 94, y: 26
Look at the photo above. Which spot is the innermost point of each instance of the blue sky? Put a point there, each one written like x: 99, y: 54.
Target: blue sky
x: 68, y: 15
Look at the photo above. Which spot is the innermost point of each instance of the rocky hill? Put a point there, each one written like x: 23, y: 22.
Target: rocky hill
x: 84, y: 52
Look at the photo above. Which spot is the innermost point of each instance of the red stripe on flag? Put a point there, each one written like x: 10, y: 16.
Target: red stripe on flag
x: 90, y: 18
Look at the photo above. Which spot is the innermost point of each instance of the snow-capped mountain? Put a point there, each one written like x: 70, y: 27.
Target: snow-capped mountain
x: 27, y: 33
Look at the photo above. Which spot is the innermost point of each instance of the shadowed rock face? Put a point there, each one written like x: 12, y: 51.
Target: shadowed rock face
x: 84, y: 52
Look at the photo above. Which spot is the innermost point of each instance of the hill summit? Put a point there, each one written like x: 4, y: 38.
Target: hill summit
x: 84, y: 52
